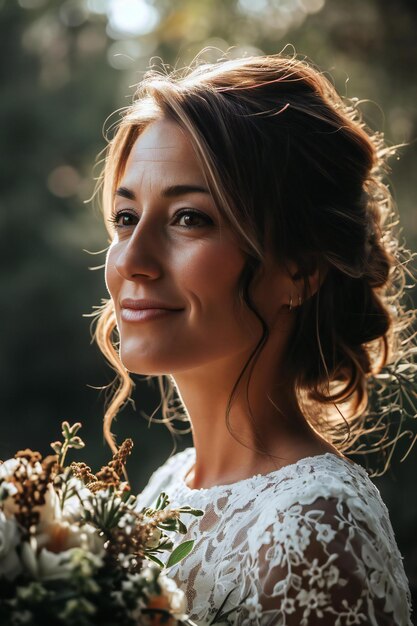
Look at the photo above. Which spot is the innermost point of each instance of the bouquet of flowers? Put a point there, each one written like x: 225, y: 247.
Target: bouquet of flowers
x: 75, y: 550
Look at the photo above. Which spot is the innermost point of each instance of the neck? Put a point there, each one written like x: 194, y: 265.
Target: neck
x: 277, y: 427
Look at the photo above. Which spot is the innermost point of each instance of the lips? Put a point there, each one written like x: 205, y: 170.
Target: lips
x: 147, y: 315
x: 147, y: 303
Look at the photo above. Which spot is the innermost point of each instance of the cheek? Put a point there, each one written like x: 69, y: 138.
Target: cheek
x: 212, y: 271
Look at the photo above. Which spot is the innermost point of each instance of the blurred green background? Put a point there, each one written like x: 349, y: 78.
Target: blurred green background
x: 65, y: 67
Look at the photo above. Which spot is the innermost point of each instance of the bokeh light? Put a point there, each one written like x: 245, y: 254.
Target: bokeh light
x: 64, y: 181
x: 131, y: 17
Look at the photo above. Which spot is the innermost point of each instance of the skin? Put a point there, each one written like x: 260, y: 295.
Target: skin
x: 193, y: 262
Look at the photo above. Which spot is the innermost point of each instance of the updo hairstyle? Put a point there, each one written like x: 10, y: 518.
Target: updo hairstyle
x: 292, y: 166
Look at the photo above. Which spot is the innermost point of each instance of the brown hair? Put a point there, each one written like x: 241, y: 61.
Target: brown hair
x: 283, y: 153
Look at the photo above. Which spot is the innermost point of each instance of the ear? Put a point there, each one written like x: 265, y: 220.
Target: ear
x: 306, y: 279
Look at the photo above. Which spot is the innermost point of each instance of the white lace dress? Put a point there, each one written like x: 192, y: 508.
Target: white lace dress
x: 310, y: 544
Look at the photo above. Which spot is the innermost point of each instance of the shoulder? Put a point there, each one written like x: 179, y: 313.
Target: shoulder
x: 324, y: 504
x: 327, y: 478
x: 325, y: 548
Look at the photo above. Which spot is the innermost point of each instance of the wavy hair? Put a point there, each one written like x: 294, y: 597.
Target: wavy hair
x: 283, y: 153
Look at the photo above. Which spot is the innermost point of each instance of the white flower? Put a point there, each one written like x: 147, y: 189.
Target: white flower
x: 10, y: 565
x: 175, y: 596
x: 325, y: 533
x: 60, y: 535
x: 352, y: 615
x: 7, y: 468
x: 52, y: 554
x: 291, y: 533
x: 50, y: 510
x: 312, y: 601
x: 46, y: 565
x: 43, y: 564
x: 72, y: 506
x: 314, y: 574
x: 287, y: 605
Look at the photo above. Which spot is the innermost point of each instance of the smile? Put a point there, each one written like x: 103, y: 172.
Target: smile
x: 144, y: 315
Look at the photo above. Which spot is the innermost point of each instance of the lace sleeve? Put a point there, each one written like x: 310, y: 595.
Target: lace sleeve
x: 319, y: 564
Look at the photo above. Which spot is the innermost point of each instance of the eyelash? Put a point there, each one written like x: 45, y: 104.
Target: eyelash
x: 118, y: 214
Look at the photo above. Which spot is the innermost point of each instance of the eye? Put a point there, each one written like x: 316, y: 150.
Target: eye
x: 115, y: 217
x: 192, y: 219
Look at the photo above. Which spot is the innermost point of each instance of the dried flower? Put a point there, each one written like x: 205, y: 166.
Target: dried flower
x: 109, y: 475
x: 83, y: 472
x: 120, y: 457
x: 31, y: 478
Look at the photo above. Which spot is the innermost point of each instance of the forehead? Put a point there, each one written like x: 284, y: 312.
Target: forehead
x: 163, y: 145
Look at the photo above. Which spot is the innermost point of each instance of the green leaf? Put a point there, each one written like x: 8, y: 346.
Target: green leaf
x: 153, y: 558
x: 77, y: 443
x: 56, y: 447
x: 169, y: 525
x: 180, y: 552
x: 162, y: 501
x: 191, y: 511
x: 166, y: 546
x: 75, y: 428
x: 182, y: 528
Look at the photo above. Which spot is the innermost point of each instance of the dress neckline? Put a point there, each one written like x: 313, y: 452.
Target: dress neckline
x: 244, y: 481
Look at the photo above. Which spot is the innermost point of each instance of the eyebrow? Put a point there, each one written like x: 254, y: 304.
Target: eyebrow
x: 168, y: 192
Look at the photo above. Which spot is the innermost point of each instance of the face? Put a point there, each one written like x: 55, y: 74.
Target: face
x: 171, y: 245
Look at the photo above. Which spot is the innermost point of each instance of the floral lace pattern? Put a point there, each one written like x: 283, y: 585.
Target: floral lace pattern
x: 308, y: 544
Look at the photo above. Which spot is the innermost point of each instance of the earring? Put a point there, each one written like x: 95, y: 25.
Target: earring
x: 290, y: 306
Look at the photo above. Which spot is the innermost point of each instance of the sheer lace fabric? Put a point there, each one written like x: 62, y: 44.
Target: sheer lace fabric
x: 309, y: 544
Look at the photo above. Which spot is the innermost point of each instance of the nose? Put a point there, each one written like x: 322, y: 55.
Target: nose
x: 137, y: 256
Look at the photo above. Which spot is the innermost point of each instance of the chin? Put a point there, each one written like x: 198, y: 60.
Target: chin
x: 142, y: 369
x: 144, y: 366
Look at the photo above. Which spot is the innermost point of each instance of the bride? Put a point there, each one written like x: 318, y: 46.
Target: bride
x: 252, y: 264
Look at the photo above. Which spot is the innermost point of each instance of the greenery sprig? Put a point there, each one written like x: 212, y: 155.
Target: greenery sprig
x: 71, y: 440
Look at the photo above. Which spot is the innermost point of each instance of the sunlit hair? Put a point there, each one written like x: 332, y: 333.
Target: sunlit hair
x: 284, y: 154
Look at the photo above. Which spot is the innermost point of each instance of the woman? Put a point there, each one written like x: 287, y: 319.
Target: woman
x: 253, y: 263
